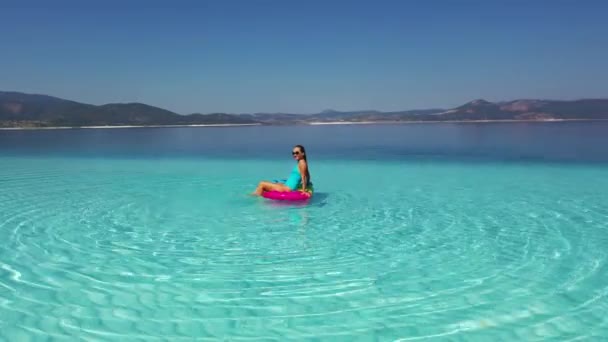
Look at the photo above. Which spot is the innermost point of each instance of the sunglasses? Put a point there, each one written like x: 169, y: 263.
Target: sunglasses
x: 295, y: 153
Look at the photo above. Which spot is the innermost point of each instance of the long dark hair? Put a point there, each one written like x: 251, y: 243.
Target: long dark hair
x: 304, y: 153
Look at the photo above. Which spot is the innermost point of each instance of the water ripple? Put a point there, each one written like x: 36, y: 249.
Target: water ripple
x: 123, y: 253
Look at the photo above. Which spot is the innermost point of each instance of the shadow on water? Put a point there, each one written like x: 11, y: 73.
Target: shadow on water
x: 319, y: 199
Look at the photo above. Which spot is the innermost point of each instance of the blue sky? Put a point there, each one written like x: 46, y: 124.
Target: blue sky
x: 304, y: 56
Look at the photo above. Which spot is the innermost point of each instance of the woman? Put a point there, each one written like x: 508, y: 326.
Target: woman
x: 299, y: 179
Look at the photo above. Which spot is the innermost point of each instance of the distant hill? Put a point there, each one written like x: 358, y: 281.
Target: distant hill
x: 29, y: 110
x: 536, y: 110
x: 18, y: 109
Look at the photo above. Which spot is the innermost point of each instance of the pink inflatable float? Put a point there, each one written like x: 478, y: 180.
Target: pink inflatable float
x: 286, y: 195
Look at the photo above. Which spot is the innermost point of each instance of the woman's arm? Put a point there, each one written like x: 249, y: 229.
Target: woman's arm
x: 303, y: 172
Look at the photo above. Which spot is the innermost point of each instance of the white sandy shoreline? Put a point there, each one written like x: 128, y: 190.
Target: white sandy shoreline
x: 127, y: 126
x: 313, y: 123
x: 318, y: 123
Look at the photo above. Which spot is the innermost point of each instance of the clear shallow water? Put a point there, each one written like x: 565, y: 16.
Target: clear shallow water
x: 107, y: 236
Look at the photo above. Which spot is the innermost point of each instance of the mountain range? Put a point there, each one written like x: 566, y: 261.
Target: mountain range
x: 33, y: 110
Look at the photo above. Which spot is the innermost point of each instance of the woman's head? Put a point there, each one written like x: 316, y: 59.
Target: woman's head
x: 298, y: 152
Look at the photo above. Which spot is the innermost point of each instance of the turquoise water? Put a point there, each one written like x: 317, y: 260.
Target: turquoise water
x: 117, y: 248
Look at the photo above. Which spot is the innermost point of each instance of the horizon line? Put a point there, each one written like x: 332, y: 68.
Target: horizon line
x: 303, y: 113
